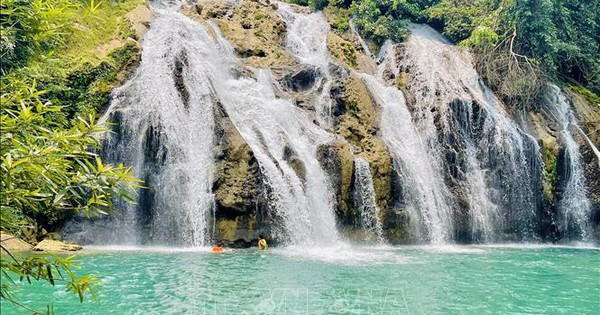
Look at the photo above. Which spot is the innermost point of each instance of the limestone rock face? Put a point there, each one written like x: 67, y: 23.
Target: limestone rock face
x: 256, y: 33
x: 337, y: 160
x: 237, y: 184
x: 212, y: 9
x: 359, y: 126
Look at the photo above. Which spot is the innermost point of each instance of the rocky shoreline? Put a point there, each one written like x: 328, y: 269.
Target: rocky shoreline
x: 14, y: 244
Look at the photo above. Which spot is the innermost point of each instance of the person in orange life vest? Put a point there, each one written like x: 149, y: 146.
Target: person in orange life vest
x: 218, y: 248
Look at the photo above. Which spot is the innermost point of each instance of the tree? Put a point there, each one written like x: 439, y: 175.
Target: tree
x: 47, y: 170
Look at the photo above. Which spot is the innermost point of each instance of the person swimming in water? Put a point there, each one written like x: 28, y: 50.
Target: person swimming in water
x: 218, y: 248
x: 262, y: 243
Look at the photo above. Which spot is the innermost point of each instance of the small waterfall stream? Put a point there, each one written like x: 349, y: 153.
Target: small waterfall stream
x: 426, y: 199
x: 574, y: 207
x: 307, y: 40
x: 364, y: 199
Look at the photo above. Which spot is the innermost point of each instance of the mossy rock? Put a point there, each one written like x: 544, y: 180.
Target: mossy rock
x: 401, y: 81
x: 342, y: 50
x: 257, y: 34
x: 337, y: 160
x: 237, y: 175
x: 226, y: 229
x: 359, y: 125
x: 212, y: 9
x: 339, y: 18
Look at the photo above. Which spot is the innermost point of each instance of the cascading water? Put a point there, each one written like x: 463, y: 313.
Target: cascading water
x: 164, y: 118
x: 426, y: 202
x: 492, y: 163
x: 306, y: 39
x: 361, y: 41
x: 364, y: 199
x: 164, y: 129
x: 574, y: 207
x: 284, y: 141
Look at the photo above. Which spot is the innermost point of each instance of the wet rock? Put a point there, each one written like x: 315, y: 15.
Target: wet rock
x: 359, y: 126
x: 337, y: 160
x: 237, y: 174
x: 212, y: 9
x: 241, y: 205
x: 295, y: 162
x: 342, y: 50
x: 301, y: 80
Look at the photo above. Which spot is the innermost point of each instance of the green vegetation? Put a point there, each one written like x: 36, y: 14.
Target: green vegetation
x: 80, y: 54
x: 518, y: 44
x: 589, y: 96
x: 59, y: 61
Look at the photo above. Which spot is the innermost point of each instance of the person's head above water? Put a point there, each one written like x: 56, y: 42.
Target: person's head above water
x: 260, y: 236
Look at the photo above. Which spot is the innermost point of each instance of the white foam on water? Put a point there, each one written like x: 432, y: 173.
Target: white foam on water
x: 149, y: 249
x: 346, y: 254
x: 451, y: 249
x: 525, y: 246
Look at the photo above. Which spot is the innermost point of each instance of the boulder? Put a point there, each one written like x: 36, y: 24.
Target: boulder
x: 53, y: 246
x: 237, y: 174
x: 12, y: 243
x: 139, y: 19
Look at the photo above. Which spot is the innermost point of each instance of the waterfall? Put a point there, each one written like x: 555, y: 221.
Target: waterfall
x: 574, y: 207
x: 306, y: 39
x: 284, y: 141
x: 364, y: 199
x: 361, y: 41
x: 164, y: 129
x: 456, y: 148
x: 425, y: 195
x: 493, y: 164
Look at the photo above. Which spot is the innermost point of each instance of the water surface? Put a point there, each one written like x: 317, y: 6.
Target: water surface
x: 341, y: 280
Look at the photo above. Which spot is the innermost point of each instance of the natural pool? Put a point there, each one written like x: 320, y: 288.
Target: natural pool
x: 342, y: 280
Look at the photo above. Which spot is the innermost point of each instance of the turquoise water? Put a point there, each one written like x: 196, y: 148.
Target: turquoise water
x: 343, y: 280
